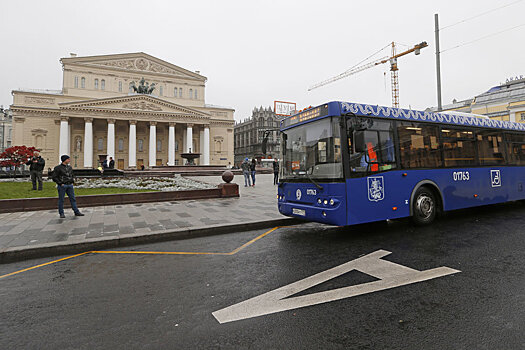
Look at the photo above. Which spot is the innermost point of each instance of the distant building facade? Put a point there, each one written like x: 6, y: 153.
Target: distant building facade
x: 97, y: 113
x: 503, y: 102
x: 6, y: 126
x: 249, y: 134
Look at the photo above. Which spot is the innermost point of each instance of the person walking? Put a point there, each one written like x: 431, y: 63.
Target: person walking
x: 252, y: 170
x: 245, y: 166
x: 111, y: 163
x: 36, y: 166
x: 275, y: 171
x: 63, y: 176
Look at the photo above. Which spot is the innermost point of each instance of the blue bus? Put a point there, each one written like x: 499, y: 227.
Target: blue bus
x: 348, y: 163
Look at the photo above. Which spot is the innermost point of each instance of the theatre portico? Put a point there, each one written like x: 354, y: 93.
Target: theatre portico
x: 92, y: 115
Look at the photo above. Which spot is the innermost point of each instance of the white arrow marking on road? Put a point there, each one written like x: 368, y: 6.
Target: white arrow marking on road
x: 390, y: 275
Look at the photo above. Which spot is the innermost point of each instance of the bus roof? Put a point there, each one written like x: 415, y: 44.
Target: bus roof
x: 449, y: 117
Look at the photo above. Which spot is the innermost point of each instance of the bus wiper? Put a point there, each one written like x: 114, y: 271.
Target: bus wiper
x: 314, y: 182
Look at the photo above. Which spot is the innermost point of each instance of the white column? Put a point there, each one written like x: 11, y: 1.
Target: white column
x: 189, y: 138
x: 171, y: 145
x: 184, y: 143
x: 111, y: 139
x: 68, y: 147
x: 132, y: 149
x: 201, y: 146
x: 206, y: 149
x: 88, y: 142
x: 64, y: 133
x: 152, y: 144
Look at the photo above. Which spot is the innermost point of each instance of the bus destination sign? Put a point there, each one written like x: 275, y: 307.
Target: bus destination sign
x: 306, y: 115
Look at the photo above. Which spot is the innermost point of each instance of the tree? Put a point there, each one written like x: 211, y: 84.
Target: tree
x: 16, y: 156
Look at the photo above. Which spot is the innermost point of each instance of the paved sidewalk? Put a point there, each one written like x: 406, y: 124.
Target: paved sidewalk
x: 42, y: 230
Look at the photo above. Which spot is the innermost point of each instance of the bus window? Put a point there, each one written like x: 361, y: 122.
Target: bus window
x: 490, y: 147
x: 418, y: 145
x: 516, y: 149
x: 459, y: 147
x: 371, y: 144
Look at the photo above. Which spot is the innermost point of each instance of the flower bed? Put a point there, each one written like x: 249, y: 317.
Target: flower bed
x: 176, y: 183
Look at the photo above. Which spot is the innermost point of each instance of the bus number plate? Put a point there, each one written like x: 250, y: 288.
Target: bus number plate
x: 296, y: 211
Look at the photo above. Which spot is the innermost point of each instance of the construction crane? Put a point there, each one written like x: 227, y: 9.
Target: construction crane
x: 393, y: 70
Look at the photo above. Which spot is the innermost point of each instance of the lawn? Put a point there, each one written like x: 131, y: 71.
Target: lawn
x: 11, y: 190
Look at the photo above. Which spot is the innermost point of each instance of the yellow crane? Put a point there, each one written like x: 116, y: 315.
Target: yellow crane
x: 393, y: 70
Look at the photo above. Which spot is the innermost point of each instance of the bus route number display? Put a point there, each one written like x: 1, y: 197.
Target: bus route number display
x: 306, y: 115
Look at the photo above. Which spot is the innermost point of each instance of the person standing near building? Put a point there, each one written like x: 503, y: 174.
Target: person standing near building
x: 245, y: 166
x: 111, y: 163
x: 275, y: 171
x: 36, y: 167
x: 63, y: 176
x: 252, y: 170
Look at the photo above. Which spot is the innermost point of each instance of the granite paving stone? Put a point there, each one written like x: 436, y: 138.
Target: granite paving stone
x: 32, y: 228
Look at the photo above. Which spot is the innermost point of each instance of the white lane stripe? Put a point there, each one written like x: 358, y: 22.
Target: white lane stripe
x: 391, y: 275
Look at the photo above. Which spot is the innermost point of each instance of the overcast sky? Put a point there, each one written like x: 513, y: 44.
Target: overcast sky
x: 254, y: 52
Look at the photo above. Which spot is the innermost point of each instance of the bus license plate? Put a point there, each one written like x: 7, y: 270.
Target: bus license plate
x: 296, y: 211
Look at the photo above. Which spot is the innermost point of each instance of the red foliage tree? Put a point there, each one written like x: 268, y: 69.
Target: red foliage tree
x: 16, y: 156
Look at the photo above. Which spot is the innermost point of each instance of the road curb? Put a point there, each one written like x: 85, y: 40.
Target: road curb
x: 63, y: 248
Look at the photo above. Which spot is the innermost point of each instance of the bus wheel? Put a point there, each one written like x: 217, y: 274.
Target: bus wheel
x: 424, y: 207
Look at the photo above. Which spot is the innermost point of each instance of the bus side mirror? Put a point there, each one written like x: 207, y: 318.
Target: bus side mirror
x: 264, y: 142
x: 359, y: 141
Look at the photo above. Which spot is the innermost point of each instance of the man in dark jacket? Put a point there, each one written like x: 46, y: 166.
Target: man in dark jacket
x: 36, y: 166
x: 63, y: 176
x: 111, y: 163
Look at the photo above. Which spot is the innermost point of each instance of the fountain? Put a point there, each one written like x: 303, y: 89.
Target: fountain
x: 190, y: 157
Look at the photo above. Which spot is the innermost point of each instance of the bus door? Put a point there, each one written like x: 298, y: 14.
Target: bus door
x: 371, y: 190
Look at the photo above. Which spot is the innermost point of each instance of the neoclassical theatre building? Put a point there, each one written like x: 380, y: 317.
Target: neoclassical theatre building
x: 98, y: 113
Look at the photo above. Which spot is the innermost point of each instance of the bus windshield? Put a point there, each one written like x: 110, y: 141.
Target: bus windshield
x: 312, y: 150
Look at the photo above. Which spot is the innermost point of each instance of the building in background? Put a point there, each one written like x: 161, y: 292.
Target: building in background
x: 6, y: 124
x: 503, y: 102
x: 97, y: 113
x: 249, y: 133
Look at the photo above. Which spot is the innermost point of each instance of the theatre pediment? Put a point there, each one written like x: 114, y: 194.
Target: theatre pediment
x: 139, y: 62
x: 134, y: 104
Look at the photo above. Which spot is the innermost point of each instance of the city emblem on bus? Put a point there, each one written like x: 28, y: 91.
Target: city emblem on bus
x: 298, y: 194
x: 495, y: 178
x: 376, y: 189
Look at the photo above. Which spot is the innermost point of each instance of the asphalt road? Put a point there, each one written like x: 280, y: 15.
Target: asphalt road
x: 166, y: 301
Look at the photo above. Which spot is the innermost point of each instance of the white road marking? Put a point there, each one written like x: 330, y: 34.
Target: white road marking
x: 390, y: 275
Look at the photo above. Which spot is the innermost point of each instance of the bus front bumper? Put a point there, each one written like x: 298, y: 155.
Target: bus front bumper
x: 326, y: 214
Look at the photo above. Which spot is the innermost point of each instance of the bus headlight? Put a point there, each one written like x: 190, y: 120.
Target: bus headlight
x: 324, y: 214
x: 332, y: 202
x: 325, y: 202
x: 319, y: 200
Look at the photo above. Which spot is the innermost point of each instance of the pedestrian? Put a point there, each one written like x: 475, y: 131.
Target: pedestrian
x: 275, y: 171
x: 63, y: 176
x: 105, y: 164
x: 111, y: 163
x: 252, y: 171
x: 245, y: 166
x: 36, y: 167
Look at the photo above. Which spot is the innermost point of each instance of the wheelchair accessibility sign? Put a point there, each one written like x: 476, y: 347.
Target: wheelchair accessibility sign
x: 495, y: 178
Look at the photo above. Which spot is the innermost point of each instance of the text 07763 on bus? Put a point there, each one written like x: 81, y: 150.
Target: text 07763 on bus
x: 348, y: 163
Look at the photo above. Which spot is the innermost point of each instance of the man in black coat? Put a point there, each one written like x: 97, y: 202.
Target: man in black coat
x: 36, y: 166
x: 111, y: 163
x: 63, y: 176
